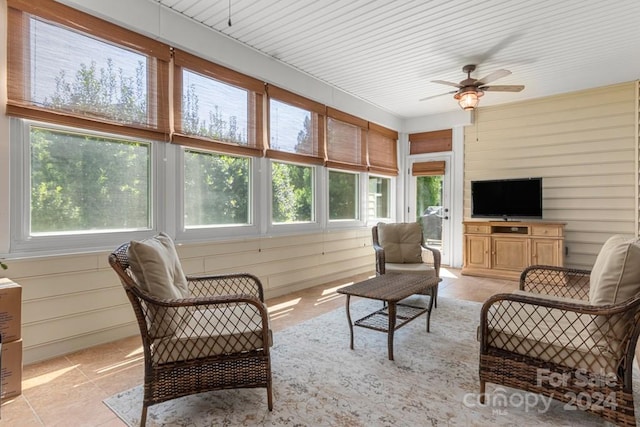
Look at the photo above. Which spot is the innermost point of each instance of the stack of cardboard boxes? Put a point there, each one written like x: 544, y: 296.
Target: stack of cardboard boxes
x: 10, y: 329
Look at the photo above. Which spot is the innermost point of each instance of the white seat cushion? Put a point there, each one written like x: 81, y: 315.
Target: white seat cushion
x: 225, y: 330
x: 420, y: 268
x: 561, y: 339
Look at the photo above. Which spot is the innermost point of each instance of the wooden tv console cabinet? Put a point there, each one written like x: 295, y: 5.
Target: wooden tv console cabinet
x: 502, y: 249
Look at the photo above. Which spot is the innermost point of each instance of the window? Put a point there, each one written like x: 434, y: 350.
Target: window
x: 213, y: 109
x: 292, y: 193
x: 73, y: 69
x: 296, y: 128
x: 85, y: 183
x: 379, y: 198
x: 343, y: 196
x: 216, y: 108
x: 216, y: 189
x: 290, y: 128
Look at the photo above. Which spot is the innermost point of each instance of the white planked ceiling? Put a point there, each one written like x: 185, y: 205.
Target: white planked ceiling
x: 387, y: 52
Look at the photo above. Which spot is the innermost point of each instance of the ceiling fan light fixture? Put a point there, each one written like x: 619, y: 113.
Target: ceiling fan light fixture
x: 468, y: 99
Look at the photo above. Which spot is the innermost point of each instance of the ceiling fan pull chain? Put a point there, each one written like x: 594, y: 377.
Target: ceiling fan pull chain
x: 229, y: 22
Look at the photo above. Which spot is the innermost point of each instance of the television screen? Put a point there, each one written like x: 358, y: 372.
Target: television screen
x: 507, y: 198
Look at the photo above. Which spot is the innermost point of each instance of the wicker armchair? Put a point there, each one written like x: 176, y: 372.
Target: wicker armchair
x: 216, y: 337
x: 557, y: 338
x: 398, y: 249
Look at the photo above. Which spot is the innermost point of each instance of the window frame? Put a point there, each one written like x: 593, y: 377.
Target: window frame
x: 318, y: 215
x: 214, y: 232
x: 373, y: 220
x: 361, y: 198
x: 22, y: 242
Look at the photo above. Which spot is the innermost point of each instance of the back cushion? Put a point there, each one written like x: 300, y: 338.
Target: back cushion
x: 615, y: 276
x: 156, y: 269
x: 401, y: 242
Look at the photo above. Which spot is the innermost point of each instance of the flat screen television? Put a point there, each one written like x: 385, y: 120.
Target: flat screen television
x: 507, y: 198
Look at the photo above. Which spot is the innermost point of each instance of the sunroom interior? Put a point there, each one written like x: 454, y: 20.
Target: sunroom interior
x: 284, y: 182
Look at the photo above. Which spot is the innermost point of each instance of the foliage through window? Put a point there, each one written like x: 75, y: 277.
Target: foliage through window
x: 213, y: 109
x: 109, y: 81
x: 76, y: 70
x: 216, y: 189
x: 85, y: 183
x: 292, y: 193
x: 343, y: 196
x: 379, y: 198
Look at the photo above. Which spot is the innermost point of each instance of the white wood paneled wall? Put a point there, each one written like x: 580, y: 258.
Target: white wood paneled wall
x: 583, y: 144
x: 76, y: 301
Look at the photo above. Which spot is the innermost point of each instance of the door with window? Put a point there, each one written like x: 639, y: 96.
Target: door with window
x: 429, y: 202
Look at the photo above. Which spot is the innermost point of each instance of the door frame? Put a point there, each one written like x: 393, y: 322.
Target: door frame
x: 448, y: 245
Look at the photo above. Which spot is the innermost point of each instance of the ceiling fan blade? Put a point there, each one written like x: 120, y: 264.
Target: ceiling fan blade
x: 437, y: 96
x: 444, y: 82
x: 502, y: 88
x: 498, y: 74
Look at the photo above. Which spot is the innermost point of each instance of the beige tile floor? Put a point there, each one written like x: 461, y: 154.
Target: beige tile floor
x: 68, y: 390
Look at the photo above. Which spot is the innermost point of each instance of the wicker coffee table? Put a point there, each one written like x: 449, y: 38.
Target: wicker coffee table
x: 390, y: 288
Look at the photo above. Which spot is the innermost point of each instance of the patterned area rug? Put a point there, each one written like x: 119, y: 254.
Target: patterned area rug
x: 319, y: 381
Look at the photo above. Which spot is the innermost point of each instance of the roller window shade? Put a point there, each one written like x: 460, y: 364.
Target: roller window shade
x: 430, y: 142
x: 216, y: 108
x: 428, y: 168
x: 71, y: 68
x: 382, y: 149
x: 296, y: 127
x: 346, y: 141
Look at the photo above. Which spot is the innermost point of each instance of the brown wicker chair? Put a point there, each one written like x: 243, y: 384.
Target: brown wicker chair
x: 398, y: 249
x: 217, y: 338
x: 547, y: 338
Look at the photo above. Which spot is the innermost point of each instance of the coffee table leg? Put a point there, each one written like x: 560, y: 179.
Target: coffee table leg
x: 350, y: 324
x: 392, y: 327
x: 431, y: 297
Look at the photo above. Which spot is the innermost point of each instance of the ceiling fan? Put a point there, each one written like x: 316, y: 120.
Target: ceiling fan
x: 470, y: 89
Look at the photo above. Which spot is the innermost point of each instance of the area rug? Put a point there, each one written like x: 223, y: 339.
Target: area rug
x: 319, y: 381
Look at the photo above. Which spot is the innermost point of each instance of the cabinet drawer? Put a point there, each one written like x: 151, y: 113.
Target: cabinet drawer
x: 540, y: 230
x: 477, y: 229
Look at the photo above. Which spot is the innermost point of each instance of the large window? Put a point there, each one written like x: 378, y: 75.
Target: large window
x: 73, y: 69
x: 379, y: 198
x: 292, y: 193
x: 216, y: 189
x: 343, y: 196
x: 82, y: 183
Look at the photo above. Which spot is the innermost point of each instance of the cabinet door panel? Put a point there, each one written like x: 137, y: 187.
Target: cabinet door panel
x: 510, y: 254
x: 546, y: 252
x: 476, y: 252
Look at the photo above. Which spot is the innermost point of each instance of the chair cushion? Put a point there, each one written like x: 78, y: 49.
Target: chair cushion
x: 615, y: 276
x: 156, y: 268
x: 401, y: 242
x: 421, y: 268
x: 566, y: 341
x: 213, y: 332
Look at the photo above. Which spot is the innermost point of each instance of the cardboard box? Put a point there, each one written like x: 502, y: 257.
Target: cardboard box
x: 11, y: 373
x: 10, y: 310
